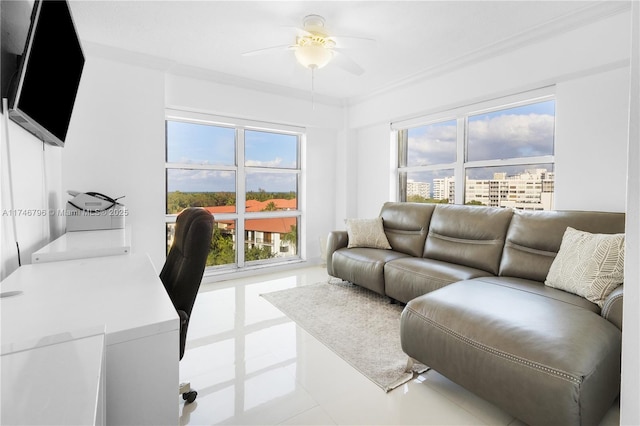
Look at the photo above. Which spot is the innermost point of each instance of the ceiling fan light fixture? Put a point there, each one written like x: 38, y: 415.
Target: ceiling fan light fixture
x: 313, y: 55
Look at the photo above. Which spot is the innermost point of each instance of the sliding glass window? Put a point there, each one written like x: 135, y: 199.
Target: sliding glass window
x: 498, y: 153
x: 247, y: 174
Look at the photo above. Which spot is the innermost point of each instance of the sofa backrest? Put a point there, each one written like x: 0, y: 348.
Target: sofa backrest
x: 406, y: 225
x: 534, y: 238
x: 468, y: 235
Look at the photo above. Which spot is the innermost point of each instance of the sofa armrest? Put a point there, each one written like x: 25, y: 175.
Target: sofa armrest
x: 612, y: 307
x: 335, y: 241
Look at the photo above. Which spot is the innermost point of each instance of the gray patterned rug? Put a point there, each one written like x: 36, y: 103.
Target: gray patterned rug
x: 362, y: 327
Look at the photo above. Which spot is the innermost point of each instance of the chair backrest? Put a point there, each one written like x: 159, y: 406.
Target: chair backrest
x: 182, y: 271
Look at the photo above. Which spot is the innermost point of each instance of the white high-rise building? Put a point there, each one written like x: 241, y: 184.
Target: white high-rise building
x: 444, y: 189
x: 531, y: 190
x: 421, y: 189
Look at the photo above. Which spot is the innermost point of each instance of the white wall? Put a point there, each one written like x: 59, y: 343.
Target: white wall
x: 373, y: 165
x: 116, y: 146
x: 320, y: 184
x: 591, y: 142
x: 346, y: 178
x: 35, y: 169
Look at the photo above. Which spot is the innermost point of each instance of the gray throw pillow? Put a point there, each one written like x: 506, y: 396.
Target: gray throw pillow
x: 367, y: 233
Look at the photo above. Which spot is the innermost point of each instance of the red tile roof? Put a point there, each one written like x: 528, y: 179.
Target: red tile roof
x: 280, y: 225
x: 280, y: 203
x: 257, y: 206
x: 221, y: 209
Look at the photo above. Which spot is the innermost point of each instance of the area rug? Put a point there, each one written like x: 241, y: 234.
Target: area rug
x: 360, y: 326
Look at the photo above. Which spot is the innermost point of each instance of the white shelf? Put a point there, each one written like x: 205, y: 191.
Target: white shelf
x: 85, y: 244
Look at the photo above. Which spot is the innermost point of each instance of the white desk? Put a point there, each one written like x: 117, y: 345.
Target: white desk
x: 123, y: 293
x: 83, y: 244
x: 55, y: 380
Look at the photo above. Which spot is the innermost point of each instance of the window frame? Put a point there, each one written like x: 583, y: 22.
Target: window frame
x: 461, y: 114
x: 241, y: 171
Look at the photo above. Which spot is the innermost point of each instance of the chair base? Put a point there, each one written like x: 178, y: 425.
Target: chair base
x: 188, y: 394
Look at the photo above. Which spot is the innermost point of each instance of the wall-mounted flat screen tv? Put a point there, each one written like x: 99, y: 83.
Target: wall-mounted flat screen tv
x: 49, y: 73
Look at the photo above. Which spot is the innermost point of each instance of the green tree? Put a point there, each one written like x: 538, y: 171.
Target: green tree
x: 222, y: 249
x: 291, y: 237
x: 178, y: 201
x: 420, y: 199
x: 257, y: 253
x: 271, y: 206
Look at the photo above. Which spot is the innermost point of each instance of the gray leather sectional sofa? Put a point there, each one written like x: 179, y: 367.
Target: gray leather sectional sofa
x: 478, y: 311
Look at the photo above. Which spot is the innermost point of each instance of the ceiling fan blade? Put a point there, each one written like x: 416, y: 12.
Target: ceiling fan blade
x: 346, y: 63
x: 352, y: 42
x: 298, y: 31
x: 269, y: 50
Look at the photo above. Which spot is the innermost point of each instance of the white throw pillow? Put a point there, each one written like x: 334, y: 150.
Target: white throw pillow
x: 589, y: 265
x: 367, y: 233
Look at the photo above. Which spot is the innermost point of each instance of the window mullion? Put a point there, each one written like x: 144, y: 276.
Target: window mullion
x: 241, y: 198
x: 461, y: 144
x: 521, y: 161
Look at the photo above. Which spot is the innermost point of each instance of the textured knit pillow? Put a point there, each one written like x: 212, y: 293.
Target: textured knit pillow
x: 367, y: 233
x: 589, y: 265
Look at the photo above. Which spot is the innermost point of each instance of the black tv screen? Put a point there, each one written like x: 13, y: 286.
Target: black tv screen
x: 49, y: 73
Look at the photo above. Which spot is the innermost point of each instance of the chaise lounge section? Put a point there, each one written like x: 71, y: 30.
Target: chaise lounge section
x: 478, y: 310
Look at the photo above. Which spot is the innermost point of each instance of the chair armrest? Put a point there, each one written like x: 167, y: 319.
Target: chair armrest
x: 335, y: 241
x: 612, y: 307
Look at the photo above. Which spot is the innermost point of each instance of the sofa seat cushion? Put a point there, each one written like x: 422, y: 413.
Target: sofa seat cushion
x: 410, y: 277
x: 363, y: 266
x: 541, y: 359
x: 539, y: 288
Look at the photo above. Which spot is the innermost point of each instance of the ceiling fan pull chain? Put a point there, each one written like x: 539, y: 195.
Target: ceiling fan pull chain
x: 313, y: 90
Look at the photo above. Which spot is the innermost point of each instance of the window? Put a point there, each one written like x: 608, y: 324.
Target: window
x: 497, y: 154
x: 247, y: 174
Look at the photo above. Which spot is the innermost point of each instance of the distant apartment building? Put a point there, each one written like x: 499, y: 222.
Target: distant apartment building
x: 421, y: 189
x: 531, y: 190
x: 444, y: 189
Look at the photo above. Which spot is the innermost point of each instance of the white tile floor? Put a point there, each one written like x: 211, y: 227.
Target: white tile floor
x: 252, y: 365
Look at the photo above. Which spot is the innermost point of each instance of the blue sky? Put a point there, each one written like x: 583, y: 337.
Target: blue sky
x: 200, y: 144
x: 523, y: 131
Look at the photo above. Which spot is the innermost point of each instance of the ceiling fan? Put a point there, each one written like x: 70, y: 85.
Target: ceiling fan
x: 314, y: 47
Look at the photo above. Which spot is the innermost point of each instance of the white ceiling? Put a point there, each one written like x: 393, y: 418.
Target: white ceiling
x: 413, y: 38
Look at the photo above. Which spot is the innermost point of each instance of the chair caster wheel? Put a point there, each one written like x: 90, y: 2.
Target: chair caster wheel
x: 189, y: 396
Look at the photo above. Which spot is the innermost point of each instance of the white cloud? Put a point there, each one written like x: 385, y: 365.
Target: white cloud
x: 511, y: 135
x: 277, y: 162
x: 437, y: 145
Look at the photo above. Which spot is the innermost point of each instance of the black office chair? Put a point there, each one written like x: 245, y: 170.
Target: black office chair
x: 182, y: 271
